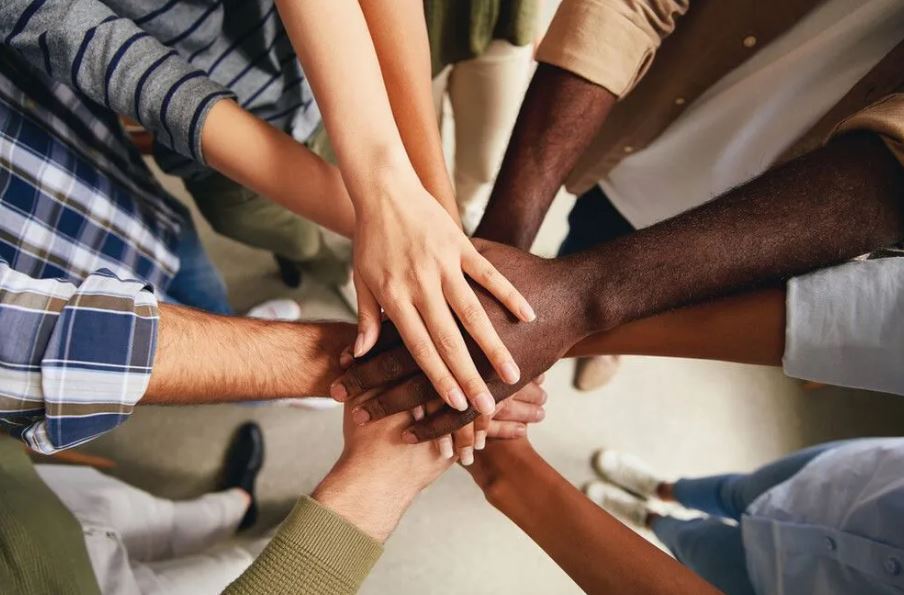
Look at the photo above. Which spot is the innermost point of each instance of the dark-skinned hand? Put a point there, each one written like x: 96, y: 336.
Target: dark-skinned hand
x: 561, y: 322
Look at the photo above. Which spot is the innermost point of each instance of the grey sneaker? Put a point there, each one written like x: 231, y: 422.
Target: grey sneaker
x: 616, y: 501
x: 626, y: 471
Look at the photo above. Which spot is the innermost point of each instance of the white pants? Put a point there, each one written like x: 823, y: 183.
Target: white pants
x: 139, y: 543
x: 485, y: 94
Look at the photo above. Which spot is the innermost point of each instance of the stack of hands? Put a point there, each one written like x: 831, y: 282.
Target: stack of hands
x: 400, y: 434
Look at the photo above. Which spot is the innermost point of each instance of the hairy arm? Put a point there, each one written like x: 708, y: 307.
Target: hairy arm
x: 559, y: 118
x: 205, y: 358
x: 400, y: 39
x: 598, y: 552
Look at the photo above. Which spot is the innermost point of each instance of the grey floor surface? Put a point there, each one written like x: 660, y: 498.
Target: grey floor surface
x: 683, y: 416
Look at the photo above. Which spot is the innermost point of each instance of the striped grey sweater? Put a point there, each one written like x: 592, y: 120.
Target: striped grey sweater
x: 166, y: 63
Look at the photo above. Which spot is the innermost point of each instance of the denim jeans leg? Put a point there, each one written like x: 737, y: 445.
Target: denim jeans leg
x: 197, y: 283
x: 711, y: 548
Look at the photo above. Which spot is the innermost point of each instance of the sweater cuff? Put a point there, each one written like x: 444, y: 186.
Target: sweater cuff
x: 315, y: 551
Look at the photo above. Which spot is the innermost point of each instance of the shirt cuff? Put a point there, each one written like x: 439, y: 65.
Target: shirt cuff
x: 845, y: 325
x: 314, y: 551
x: 598, y: 42
x: 97, y: 362
x: 885, y: 117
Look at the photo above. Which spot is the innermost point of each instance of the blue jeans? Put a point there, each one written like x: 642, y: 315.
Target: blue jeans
x: 712, y: 547
x: 197, y: 283
x: 592, y: 221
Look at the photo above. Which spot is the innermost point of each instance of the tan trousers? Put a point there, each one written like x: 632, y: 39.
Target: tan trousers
x: 485, y: 95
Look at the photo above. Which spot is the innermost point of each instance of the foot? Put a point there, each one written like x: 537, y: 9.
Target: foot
x: 244, y: 460
x: 626, y: 471
x: 593, y: 372
x: 618, y: 502
x: 281, y: 309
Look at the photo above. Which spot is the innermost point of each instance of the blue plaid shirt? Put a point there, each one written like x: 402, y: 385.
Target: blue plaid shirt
x: 86, y: 236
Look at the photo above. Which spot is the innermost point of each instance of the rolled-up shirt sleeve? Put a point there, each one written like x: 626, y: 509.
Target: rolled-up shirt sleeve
x: 845, y: 326
x: 74, y: 358
x: 885, y: 118
x: 609, y: 42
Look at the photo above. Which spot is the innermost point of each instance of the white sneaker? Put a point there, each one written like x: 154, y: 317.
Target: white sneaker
x: 626, y: 471
x: 281, y: 309
x: 617, y: 502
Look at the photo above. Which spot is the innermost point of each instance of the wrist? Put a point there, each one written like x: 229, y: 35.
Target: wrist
x: 598, y: 290
x: 366, y: 496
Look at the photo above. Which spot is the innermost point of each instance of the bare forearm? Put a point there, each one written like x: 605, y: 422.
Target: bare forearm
x: 205, y: 358
x: 351, y: 92
x: 270, y: 162
x: 400, y: 39
x: 747, y: 328
x: 560, y: 116
x: 598, y: 552
x: 836, y: 203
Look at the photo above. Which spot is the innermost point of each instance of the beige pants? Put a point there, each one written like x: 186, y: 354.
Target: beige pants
x: 485, y: 95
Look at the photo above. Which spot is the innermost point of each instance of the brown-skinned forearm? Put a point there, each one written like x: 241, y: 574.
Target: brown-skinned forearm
x: 598, y: 552
x: 559, y: 117
x: 831, y: 205
x: 205, y: 358
x: 400, y: 39
x: 748, y: 328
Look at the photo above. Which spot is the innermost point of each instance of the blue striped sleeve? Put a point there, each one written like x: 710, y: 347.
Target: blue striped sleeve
x: 74, y: 358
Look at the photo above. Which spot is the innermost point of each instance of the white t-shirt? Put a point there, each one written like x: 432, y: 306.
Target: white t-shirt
x: 741, y: 125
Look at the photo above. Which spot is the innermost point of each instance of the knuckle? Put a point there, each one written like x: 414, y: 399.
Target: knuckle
x: 447, y: 342
x: 421, y: 351
x: 472, y: 315
x: 390, y: 367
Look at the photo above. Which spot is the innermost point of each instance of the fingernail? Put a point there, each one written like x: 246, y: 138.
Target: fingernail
x: 510, y: 372
x: 457, y: 399
x: 409, y: 438
x: 346, y: 360
x: 445, y: 447
x: 544, y: 396
x: 540, y: 379
x: 359, y: 345
x: 480, y: 440
x: 360, y: 416
x: 520, y: 431
x: 418, y: 413
x: 540, y: 414
x: 485, y: 403
x: 466, y: 455
x: 527, y: 313
x: 338, y: 391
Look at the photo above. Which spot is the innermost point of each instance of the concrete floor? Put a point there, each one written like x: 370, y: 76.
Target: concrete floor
x: 683, y: 416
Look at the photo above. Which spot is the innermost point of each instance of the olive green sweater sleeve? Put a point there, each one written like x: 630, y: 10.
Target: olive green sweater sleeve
x: 315, y: 552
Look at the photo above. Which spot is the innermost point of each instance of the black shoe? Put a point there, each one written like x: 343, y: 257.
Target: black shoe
x: 244, y: 460
x: 289, y: 272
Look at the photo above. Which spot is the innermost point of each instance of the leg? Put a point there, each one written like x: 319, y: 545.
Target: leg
x: 151, y: 528
x: 710, y: 547
x: 208, y: 572
x: 730, y: 495
x: 486, y: 94
x: 592, y: 221
x: 197, y: 283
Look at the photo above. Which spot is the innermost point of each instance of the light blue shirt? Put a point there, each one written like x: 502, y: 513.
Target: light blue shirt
x: 835, y: 527
x: 845, y: 326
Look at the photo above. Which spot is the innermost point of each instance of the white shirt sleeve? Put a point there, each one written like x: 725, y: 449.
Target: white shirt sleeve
x: 845, y: 325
